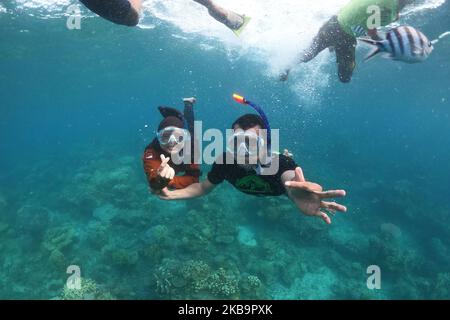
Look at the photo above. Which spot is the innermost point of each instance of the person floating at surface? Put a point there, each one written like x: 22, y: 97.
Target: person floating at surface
x: 126, y: 12
x: 341, y: 31
x: 307, y: 196
x: 172, y: 135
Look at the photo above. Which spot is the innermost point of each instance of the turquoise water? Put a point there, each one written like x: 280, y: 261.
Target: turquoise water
x: 78, y: 108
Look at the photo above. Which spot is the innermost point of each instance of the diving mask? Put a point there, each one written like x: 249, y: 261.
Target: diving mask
x: 243, y: 144
x: 172, y: 136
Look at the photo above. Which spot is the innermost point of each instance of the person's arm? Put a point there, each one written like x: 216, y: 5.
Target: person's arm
x: 215, y: 177
x: 195, y: 190
x: 190, y: 177
x: 319, y: 43
x: 309, y: 198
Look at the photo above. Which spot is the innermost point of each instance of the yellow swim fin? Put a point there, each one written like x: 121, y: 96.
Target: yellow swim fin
x: 238, y: 31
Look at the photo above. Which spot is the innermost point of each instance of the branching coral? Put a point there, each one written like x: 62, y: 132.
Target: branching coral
x: 196, y: 274
x: 156, y: 234
x: 196, y: 279
x: 89, y: 291
x: 124, y: 258
x: 223, y: 284
x: 98, y: 233
x: 59, y: 238
x: 57, y: 259
x: 251, y: 287
x: 163, y: 281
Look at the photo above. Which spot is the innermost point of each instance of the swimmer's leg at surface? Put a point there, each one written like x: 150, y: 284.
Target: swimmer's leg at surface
x: 229, y: 18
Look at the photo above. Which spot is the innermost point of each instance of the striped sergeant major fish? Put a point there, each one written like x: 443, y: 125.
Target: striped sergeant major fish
x: 402, y: 43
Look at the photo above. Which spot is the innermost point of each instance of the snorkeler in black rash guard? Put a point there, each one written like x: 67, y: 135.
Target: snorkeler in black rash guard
x: 126, y: 12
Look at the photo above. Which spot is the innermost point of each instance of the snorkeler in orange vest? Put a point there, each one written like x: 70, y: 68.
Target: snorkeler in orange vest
x: 173, y: 132
x: 126, y: 12
x: 341, y: 31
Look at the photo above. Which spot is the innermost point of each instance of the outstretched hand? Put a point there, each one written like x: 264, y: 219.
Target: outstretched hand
x: 309, y: 197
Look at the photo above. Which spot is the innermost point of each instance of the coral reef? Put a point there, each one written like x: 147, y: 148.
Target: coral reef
x: 57, y: 242
x: 246, y: 237
x: 105, y: 213
x: 57, y: 259
x: 439, y: 251
x: 441, y: 288
x: 163, y: 282
x: 272, y: 210
x: 97, y: 233
x: 196, y: 273
x: 224, y: 246
x: 59, y: 238
x: 153, y: 253
x: 89, y: 291
x: 251, y: 287
x: 195, y: 279
x: 103, y: 183
x: 124, y: 258
x: 157, y: 234
x: 396, y: 258
x: 223, y: 284
x: 33, y: 219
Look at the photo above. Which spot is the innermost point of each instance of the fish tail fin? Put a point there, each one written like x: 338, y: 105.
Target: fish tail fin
x: 372, y: 54
x: 379, y: 47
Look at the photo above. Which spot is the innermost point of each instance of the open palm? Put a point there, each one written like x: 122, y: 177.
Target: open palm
x: 309, y: 197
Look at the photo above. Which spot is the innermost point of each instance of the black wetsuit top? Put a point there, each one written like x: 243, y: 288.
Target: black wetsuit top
x: 249, y: 181
x: 117, y: 11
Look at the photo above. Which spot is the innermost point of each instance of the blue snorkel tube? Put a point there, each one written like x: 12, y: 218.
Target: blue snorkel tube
x: 242, y: 100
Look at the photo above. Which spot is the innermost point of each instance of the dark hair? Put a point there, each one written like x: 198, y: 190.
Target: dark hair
x: 248, y: 121
x: 170, y: 122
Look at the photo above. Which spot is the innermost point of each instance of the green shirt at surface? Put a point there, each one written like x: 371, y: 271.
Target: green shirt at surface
x: 353, y: 17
